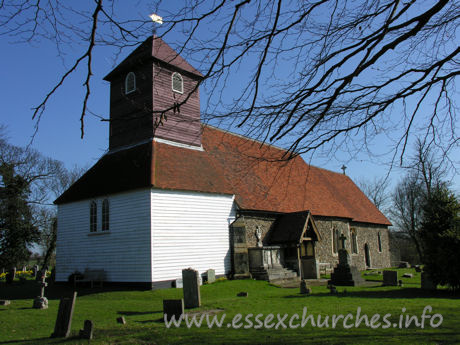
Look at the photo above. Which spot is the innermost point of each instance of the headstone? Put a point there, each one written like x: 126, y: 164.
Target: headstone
x: 121, y: 320
x: 408, y: 275
x: 35, y: 271
x: 191, y: 288
x: 418, y: 269
x: 41, y: 302
x: 87, y: 331
x: 332, y: 289
x: 173, y: 307
x: 400, y: 283
x: 11, y: 275
x: 404, y: 264
x: 426, y: 282
x: 243, y: 294
x: 344, y: 273
x: 211, y: 276
x: 64, y: 317
x: 178, y: 284
x: 5, y: 302
x: 390, y: 278
x: 304, y: 288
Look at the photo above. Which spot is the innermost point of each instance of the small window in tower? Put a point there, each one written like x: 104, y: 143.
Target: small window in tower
x: 177, y: 83
x: 130, y: 83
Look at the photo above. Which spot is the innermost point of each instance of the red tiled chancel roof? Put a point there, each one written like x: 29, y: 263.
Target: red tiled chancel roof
x: 229, y: 164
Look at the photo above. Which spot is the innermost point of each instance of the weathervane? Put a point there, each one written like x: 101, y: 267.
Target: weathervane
x: 156, y: 19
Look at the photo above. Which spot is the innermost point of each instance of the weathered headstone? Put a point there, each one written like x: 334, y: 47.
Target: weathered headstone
x: 408, y: 275
x: 191, y: 282
x: 304, y: 288
x: 11, y: 275
x: 121, y: 320
x: 404, y: 264
x: 211, y: 276
x: 41, y: 302
x: 5, y: 302
x: 173, y: 307
x: 426, y: 282
x: 418, y: 269
x: 87, y: 331
x: 35, y: 271
x: 178, y: 283
x: 64, y: 317
x: 390, y: 278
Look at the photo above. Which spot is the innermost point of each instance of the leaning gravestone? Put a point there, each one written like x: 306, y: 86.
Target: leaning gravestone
x: 304, y: 288
x: 173, y: 307
x: 87, y: 331
x: 191, y: 288
x: 390, y: 278
x: 211, y: 276
x: 64, y: 317
x: 426, y: 282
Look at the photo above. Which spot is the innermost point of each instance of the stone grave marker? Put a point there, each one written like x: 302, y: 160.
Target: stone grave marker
x: 173, y: 307
x: 243, y: 294
x: 404, y: 264
x: 345, y: 274
x: 426, y: 282
x: 121, y: 320
x: 304, y: 288
x: 64, y: 317
x: 408, y: 275
x: 35, y: 271
x: 41, y: 302
x: 5, y: 302
x: 191, y: 288
x: 211, y: 276
x: 179, y: 284
x: 87, y: 331
x: 390, y: 278
x: 11, y: 275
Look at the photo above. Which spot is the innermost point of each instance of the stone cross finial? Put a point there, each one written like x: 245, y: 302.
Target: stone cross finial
x: 342, y: 239
x: 343, y: 168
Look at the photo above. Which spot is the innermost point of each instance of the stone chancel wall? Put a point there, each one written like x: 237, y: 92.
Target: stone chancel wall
x: 366, y: 233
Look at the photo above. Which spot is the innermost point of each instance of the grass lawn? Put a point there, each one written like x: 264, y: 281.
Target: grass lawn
x: 20, y: 324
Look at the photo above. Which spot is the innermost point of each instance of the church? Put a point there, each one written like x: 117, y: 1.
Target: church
x: 172, y: 193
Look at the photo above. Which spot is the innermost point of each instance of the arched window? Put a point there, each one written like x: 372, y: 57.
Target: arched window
x: 380, y: 242
x: 105, y: 215
x: 335, y: 240
x: 93, y: 217
x: 130, y: 83
x: 354, y: 242
x: 177, y: 83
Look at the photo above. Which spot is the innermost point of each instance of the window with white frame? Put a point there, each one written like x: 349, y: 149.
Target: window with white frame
x: 93, y: 217
x: 177, y: 83
x: 105, y: 215
x: 130, y: 83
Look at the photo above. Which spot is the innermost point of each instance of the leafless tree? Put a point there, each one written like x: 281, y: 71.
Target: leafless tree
x: 426, y: 172
x: 309, y: 73
x: 377, y: 192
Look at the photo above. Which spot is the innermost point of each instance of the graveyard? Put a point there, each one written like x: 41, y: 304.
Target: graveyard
x: 123, y: 316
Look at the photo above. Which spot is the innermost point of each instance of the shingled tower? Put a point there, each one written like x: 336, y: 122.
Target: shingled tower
x: 151, y: 79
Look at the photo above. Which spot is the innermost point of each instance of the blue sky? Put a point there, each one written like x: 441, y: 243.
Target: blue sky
x: 30, y: 70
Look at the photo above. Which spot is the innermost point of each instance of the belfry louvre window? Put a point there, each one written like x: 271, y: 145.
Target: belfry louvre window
x: 130, y: 83
x: 105, y: 215
x: 93, y: 217
x: 177, y: 83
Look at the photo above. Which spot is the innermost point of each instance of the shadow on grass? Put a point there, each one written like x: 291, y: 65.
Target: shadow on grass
x: 30, y: 289
x: 130, y: 313
x: 393, y: 293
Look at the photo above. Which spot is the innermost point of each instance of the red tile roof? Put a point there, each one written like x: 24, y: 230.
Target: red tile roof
x: 230, y: 164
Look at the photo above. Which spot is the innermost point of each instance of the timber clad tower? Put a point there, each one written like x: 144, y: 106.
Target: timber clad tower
x: 150, y: 80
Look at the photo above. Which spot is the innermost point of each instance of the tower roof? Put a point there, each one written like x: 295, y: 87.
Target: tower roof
x: 153, y: 49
